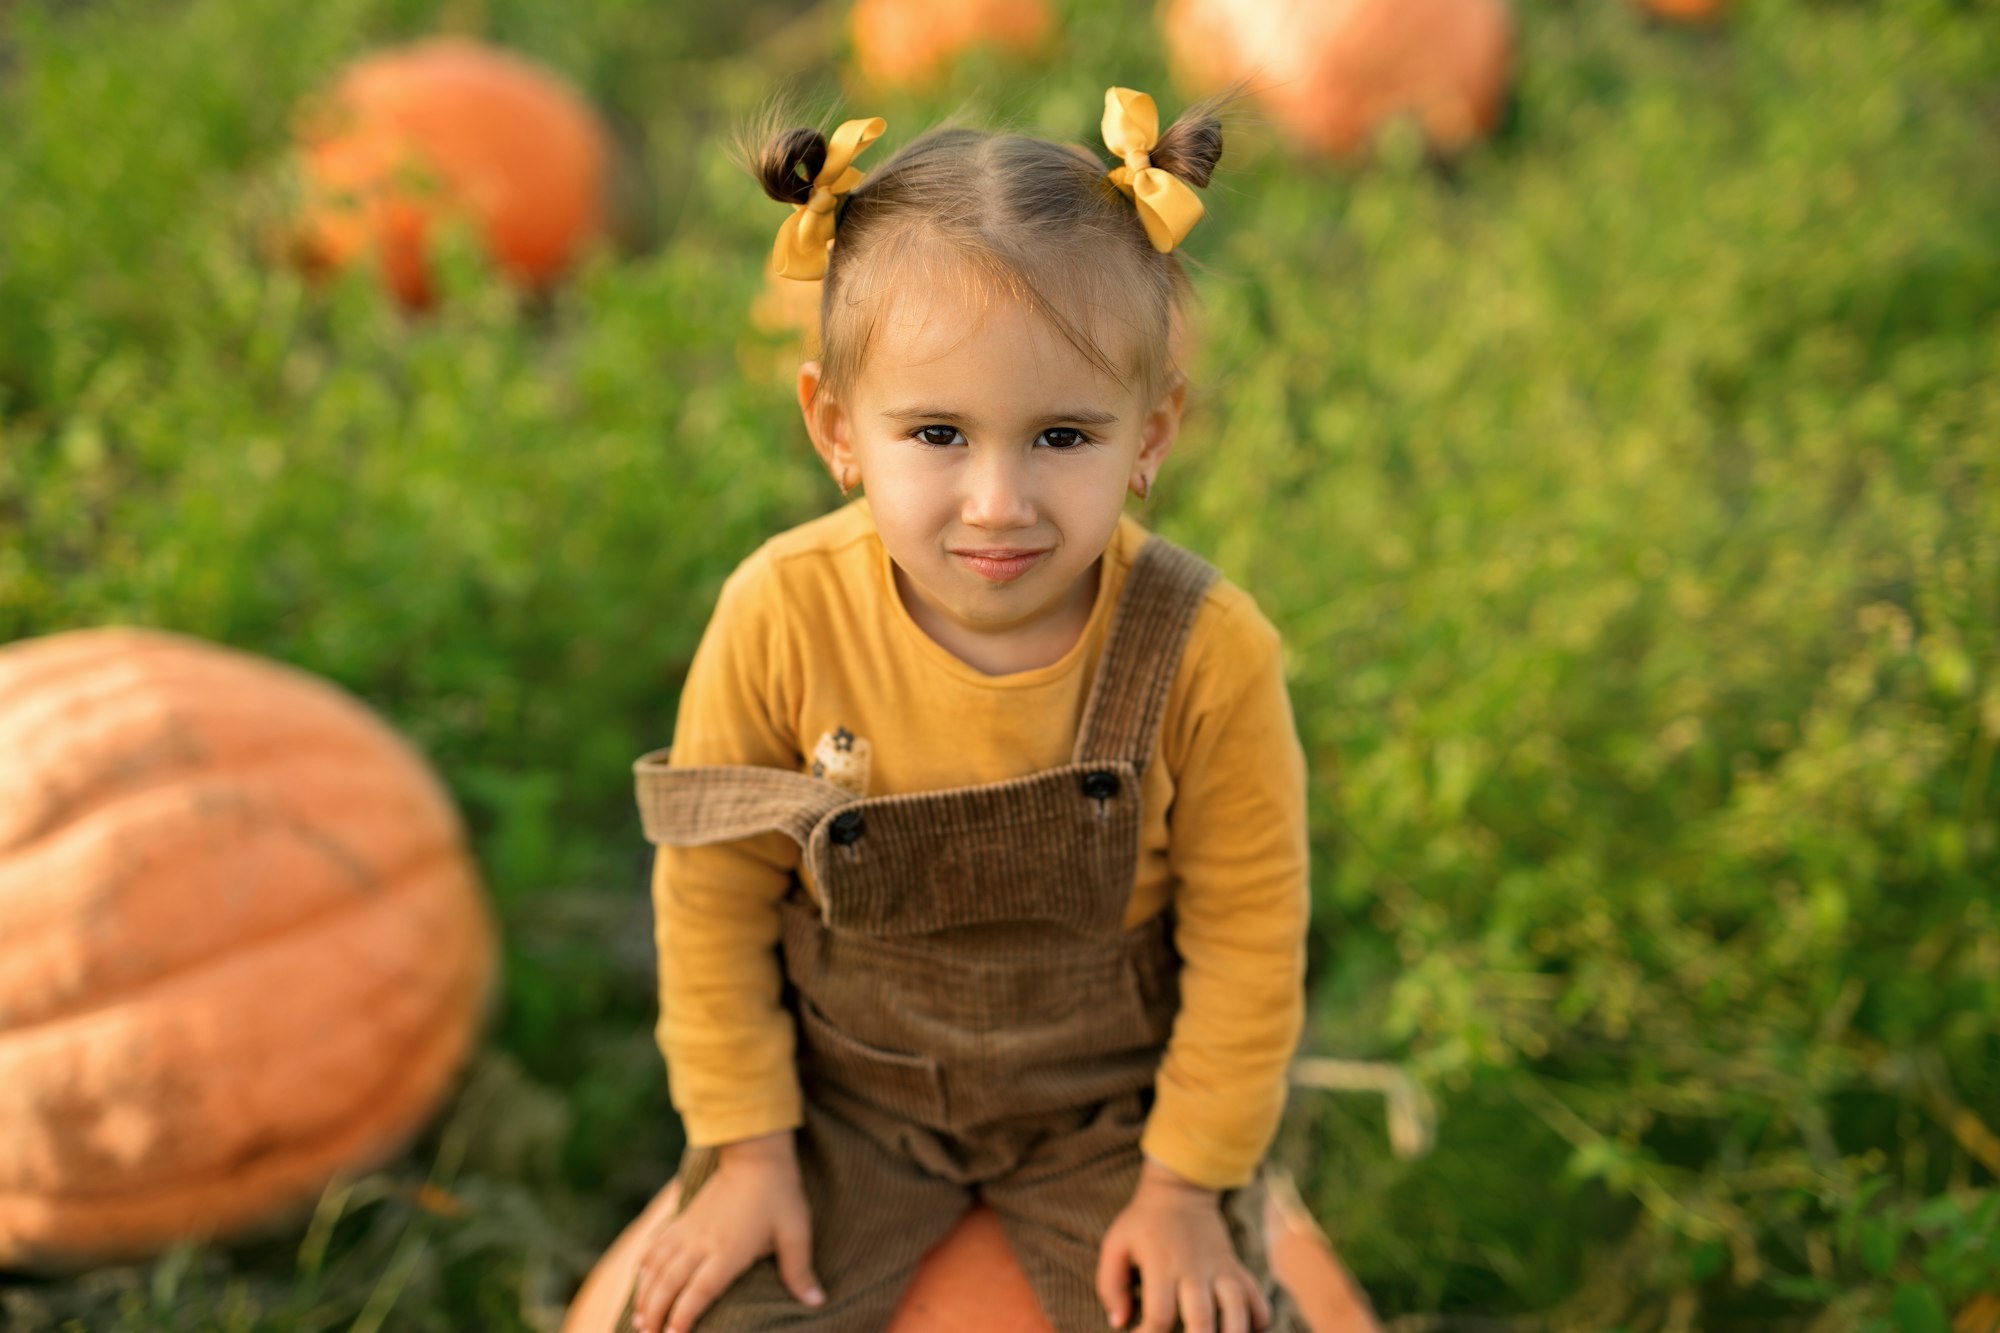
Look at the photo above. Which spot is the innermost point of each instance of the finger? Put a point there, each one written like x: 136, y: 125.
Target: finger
x: 649, y: 1303
x: 1156, y: 1295
x: 1114, y: 1279
x: 642, y: 1282
x: 667, y: 1280
x: 1197, y: 1306
x: 1234, y: 1303
x: 795, y: 1259
x: 702, y: 1288
x: 1260, y: 1301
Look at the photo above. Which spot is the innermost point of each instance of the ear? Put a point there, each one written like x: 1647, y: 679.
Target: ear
x: 826, y: 422
x: 1159, y: 430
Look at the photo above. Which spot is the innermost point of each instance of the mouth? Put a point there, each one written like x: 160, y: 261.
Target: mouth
x: 1000, y: 564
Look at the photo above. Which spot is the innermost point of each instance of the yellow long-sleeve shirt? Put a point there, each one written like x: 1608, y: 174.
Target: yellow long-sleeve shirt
x: 812, y: 663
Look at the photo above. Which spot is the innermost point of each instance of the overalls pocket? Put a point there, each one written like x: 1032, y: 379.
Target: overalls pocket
x: 911, y: 1086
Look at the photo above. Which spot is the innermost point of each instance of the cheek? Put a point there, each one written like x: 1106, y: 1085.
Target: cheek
x: 1093, y: 530
x: 909, y: 495
x: 1093, y: 477
x: 1096, y: 496
x: 916, y: 476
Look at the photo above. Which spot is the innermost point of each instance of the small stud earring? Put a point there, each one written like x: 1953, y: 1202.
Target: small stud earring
x: 846, y: 483
x: 1144, y: 486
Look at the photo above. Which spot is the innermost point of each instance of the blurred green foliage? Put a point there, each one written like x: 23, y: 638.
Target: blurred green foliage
x: 1625, y: 490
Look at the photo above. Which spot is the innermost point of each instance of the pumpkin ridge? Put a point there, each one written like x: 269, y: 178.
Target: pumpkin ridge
x: 395, y: 1067
x: 409, y: 1088
x: 406, y: 875
x: 115, y: 863
x: 119, y: 659
x: 293, y: 1093
x: 26, y: 667
x: 107, y: 795
x: 176, y: 737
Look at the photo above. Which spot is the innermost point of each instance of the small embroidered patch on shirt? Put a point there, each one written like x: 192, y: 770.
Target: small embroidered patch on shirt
x: 841, y: 757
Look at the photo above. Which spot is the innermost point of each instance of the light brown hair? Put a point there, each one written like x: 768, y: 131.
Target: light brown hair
x: 1026, y: 218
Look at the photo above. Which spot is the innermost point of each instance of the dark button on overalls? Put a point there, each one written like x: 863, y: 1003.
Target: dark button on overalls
x: 973, y: 1017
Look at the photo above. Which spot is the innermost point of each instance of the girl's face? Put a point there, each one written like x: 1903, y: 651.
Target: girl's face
x: 996, y: 461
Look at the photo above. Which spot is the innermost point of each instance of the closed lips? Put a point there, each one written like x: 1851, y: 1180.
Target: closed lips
x: 1001, y: 566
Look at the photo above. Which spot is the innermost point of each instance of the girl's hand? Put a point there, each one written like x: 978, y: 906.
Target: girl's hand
x: 753, y: 1205
x: 1173, y: 1233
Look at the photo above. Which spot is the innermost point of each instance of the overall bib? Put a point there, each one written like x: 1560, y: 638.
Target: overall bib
x: 974, y: 1020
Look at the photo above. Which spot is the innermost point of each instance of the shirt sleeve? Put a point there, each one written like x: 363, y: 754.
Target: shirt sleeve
x: 727, y: 1038
x: 1238, y: 847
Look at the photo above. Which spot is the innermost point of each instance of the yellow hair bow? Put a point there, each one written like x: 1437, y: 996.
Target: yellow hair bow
x: 1168, y: 205
x: 802, y: 240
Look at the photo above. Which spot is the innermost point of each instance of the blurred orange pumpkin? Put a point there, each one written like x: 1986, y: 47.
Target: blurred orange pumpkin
x: 450, y: 126
x: 1331, y: 72
x: 902, y: 43
x: 1687, y: 11
x: 245, y: 947
x: 971, y: 1283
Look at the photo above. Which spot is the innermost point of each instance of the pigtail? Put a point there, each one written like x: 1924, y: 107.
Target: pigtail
x: 1191, y: 146
x: 787, y: 163
x: 783, y: 159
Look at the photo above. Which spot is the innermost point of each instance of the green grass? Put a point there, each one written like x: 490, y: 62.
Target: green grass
x: 1626, y: 493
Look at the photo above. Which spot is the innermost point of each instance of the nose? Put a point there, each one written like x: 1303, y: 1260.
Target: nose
x: 997, y: 492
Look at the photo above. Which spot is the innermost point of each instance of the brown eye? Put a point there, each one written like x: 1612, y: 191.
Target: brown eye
x: 1065, y: 437
x: 938, y: 437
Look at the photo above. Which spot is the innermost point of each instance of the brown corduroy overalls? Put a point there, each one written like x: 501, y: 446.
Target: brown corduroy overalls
x: 973, y: 1017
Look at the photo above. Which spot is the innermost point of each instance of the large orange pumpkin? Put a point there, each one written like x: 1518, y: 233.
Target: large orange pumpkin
x: 242, y: 945
x: 972, y: 1284
x: 1333, y: 71
x: 450, y: 126
x: 903, y: 43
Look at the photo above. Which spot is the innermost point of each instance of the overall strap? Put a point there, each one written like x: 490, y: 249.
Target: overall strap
x: 698, y: 804
x: 1149, y: 630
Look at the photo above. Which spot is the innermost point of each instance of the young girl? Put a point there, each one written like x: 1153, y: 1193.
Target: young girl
x: 982, y: 865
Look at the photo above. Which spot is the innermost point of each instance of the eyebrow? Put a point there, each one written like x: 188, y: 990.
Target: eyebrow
x: 1090, y: 417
